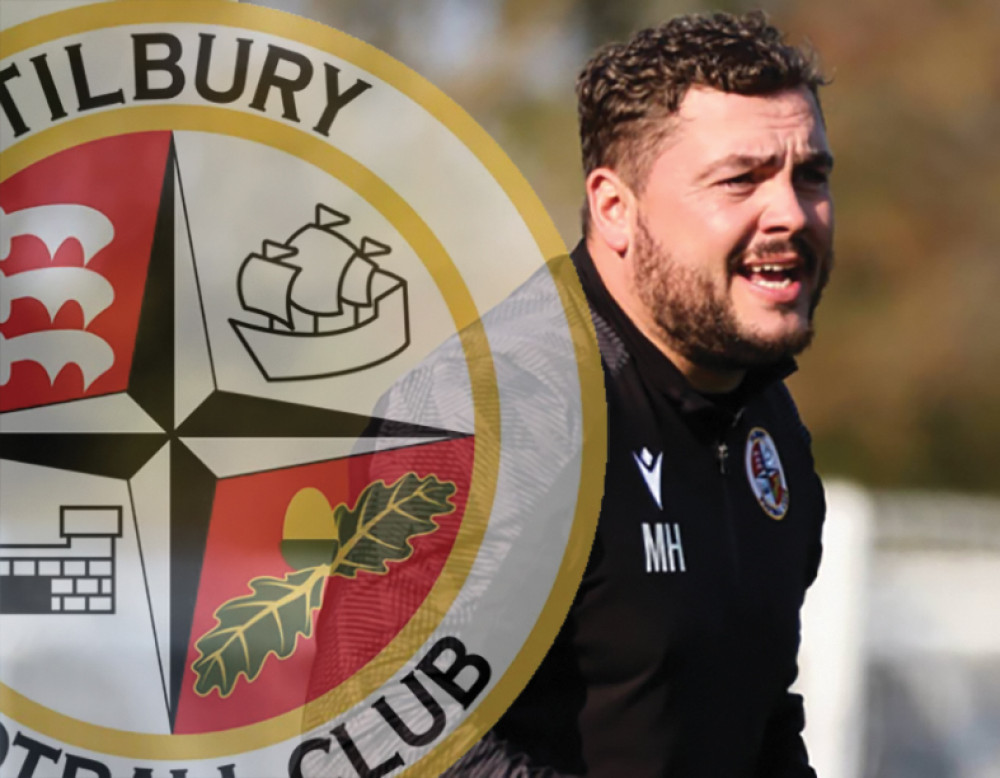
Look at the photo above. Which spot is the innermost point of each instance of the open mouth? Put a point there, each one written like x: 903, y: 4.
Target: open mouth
x: 772, y: 275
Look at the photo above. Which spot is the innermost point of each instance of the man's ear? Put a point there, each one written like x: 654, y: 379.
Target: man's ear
x: 612, y: 206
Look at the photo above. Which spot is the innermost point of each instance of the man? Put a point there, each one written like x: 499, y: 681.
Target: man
x: 708, y: 233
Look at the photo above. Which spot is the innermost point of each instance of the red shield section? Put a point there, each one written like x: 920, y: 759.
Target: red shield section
x: 108, y: 192
x: 359, y: 616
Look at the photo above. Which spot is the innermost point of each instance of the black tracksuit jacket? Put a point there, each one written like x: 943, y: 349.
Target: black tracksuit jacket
x: 676, y: 662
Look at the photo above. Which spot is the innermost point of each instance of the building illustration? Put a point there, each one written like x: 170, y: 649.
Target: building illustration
x: 76, y: 575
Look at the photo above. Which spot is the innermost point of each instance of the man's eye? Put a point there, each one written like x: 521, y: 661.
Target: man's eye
x: 814, y: 176
x: 742, y: 180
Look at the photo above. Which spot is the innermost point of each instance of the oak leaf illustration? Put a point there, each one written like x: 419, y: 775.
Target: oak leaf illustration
x: 377, y: 530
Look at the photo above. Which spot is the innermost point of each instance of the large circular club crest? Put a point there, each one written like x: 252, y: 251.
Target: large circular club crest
x: 301, y: 412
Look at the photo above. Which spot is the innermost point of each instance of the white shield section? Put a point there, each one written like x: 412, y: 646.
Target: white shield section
x: 96, y: 642
x: 230, y: 216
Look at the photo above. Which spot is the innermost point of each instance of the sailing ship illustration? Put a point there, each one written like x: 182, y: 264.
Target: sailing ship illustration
x: 328, y: 309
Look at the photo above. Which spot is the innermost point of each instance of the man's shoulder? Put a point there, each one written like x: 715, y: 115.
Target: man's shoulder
x: 534, y: 347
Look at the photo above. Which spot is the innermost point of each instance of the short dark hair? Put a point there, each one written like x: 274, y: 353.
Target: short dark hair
x: 627, y: 92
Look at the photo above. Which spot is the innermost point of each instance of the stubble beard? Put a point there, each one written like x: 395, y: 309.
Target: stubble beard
x: 698, y: 322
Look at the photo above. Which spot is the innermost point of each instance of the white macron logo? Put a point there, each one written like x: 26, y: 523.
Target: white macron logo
x: 649, y: 466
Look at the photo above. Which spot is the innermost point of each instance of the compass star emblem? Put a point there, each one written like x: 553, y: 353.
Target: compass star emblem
x: 172, y: 434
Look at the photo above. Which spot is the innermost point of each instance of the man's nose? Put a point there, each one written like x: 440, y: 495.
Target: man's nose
x: 785, y: 211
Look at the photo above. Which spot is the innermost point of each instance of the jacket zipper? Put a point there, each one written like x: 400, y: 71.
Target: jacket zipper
x: 722, y: 448
x: 721, y: 455
x: 722, y: 458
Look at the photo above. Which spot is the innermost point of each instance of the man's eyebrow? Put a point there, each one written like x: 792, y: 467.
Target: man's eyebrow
x: 821, y: 159
x: 739, y: 161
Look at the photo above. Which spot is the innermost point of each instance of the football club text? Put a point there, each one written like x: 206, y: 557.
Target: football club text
x: 448, y: 667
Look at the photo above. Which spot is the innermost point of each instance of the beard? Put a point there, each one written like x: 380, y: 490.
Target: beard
x: 699, y: 322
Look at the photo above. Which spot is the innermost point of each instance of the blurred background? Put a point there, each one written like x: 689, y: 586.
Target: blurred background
x: 901, y: 655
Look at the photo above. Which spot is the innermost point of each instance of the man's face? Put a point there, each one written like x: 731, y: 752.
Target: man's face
x: 733, y: 241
